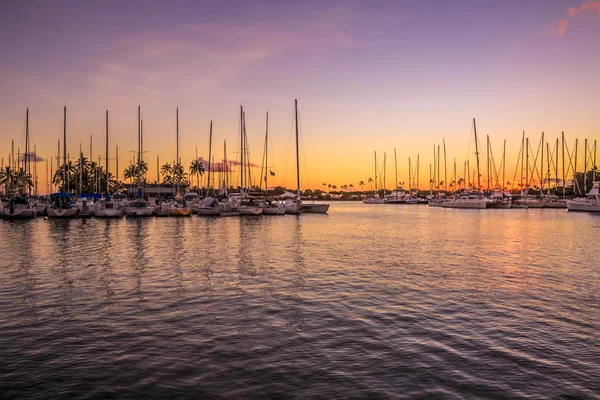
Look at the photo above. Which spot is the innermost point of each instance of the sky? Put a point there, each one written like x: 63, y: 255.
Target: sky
x: 368, y: 76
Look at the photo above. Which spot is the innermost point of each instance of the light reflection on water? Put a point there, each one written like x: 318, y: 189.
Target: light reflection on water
x: 368, y: 301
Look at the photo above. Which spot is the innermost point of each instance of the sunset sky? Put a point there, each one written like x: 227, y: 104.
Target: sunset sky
x: 368, y: 75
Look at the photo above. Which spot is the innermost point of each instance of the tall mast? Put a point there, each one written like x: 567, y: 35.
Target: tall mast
x: 177, y: 147
x: 107, y: 152
x: 522, y: 158
x: 267, y: 155
x: 594, y: 173
x: 117, y: 169
x: 454, y: 178
x: 410, y: 181
x: 64, y: 148
x: 209, y: 157
x: 477, y: 155
x: 488, y: 162
x: 225, y: 179
x: 376, y: 191
x: 241, y: 148
x: 396, y: 172
x: 430, y: 181
x: 575, y: 166
x: 139, y: 157
x: 585, y: 164
x: 297, y: 148
x: 527, y: 166
x: 542, y: 168
x: 433, y: 185
x: 80, y: 170
x: 556, y: 169
x: 417, y: 174
x: 445, y: 167
x: 504, y: 166
x: 548, y: 162
x: 384, y: 172
x: 27, y: 150
x: 563, y: 164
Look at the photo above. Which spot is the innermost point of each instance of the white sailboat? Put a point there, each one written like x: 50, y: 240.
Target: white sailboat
x: 469, y: 200
x: 317, y: 208
x: 270, y: 205
x: 589, y: 203
x: 106, y: 207
x: 19, y: 207
x: 179, y: 208
x: 139, y: 207
x: 61, y: 206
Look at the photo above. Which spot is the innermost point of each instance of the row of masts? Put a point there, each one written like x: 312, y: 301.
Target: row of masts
x: 538, y: 170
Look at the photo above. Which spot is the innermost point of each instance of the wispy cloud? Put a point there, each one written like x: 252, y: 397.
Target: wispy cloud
x: 561, y: 29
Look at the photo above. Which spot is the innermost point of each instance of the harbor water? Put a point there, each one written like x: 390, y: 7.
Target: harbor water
x: 369, y: 301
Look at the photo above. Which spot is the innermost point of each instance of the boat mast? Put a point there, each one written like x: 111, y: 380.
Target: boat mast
x: 594, y: 169
x: 297, y: 148
x: 177, y: 148
x: 417, y: 174
x: 527, y: 167
x: 384, y: 173
x: 139, y: 157
x: 376, y: 191
x: 208, y: 185
x: 107, y: 152
x: 575, y: 167
x: 488, y: 163
x: 542, y: 169
x: 445, y: 167
x: 225, y: 178
x: 396, y: 172
x: 27, y: 151
x: 563, y: 164
x: 522, y: 158
x: 64, y: 148
x: 267, y: 155
x: 454, y: 178
x: 241, y: 149
x: 477, y: 155
x: 409, y: 176
x: 504, y: 167
x: 117, y: 170
x: 585, y: 153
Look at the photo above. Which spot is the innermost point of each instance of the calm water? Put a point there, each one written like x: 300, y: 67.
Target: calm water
x: 368, y: 301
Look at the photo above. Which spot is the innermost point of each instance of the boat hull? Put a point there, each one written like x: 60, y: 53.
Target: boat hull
x: 25, y: 213
x: 574, y: 205
x: 62, y: 212
x: 108, y: 213
x: 139, y: 211
x: 180, y: 212
x: 472, y: 204
x: 374, y: 201
x: 250, y: 210
x: 208, y: 211
x: 498, y: 205
x: 555, y: 204
x: 315, y: 208
x: 274, y: 210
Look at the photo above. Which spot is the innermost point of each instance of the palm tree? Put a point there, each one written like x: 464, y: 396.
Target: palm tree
x: 324, y: 186
x: 166, y: 171
x: 351, y: 186
x: 197, y: 168
x: 329, y: 186
x: 361, y: 184
x: 179, y: 175
x: 370, y: 180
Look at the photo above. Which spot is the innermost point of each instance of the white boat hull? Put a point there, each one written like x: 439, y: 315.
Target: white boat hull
x: 62, y: 212
x: 578, y: 205
x: 374, y: 201
x: 18, y: 213
x: 108, y: 213
x: 473, y: 204
x: 274, y: 210
x: 250, y: 210
x: 208, y: 211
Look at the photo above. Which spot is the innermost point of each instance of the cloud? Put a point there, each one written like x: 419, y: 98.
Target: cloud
x: 32, y: 157
x: 573, y: 12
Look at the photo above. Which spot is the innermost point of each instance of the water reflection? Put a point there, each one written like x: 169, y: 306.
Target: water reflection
x: 139, y: 259
x: 60, y: 234
x: 297, y: 283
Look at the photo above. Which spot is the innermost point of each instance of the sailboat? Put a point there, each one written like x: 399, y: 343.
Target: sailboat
x: 270, y: 205
x: 317, y: 208
x: 60, y: 203
x: 19, y: 207
x: 375, y: 199
x: 107, y: 207
x: 139, y: 207
x: 589, y: 203
x: 180, y: 207
x: 469, y: 200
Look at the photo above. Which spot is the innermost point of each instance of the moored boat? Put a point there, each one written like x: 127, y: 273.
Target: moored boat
x: 589, y: 203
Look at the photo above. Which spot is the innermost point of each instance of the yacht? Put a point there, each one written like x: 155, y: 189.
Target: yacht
x: 61, y: 206
x: 465, y: 200
x: 107, y: 208
x: 138, y: 208
x: 18, y: 208
x: 589, y: 203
